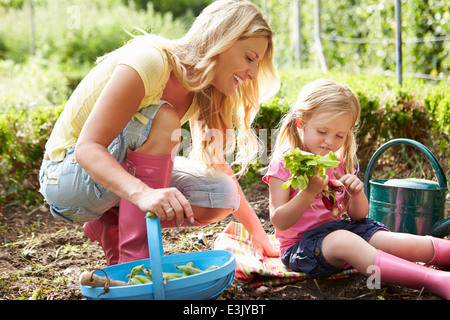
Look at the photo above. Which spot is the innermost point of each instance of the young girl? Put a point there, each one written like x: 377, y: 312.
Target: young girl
x: 312, y: 240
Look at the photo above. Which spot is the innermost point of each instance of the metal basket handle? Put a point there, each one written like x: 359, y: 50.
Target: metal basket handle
x: 155, y: 247
x: 442, y: 180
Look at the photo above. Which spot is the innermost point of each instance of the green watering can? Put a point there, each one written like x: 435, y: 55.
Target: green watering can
x: 414, y: 206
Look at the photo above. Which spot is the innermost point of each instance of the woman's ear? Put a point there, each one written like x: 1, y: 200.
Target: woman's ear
x: 299, y: 123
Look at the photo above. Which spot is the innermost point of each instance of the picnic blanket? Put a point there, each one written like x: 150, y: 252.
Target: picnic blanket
x: 249, y: 269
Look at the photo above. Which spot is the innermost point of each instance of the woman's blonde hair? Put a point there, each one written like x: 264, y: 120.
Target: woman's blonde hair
x: 193, y: 59
x: 320, y: 96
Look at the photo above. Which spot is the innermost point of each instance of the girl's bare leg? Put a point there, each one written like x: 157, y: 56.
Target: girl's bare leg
x: 341, y: 247
x: 403, y: 245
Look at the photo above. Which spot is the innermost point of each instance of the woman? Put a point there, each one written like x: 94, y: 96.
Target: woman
x: 127, y: 114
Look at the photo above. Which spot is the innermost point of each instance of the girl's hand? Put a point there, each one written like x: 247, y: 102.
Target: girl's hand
x: 317, y: 183
x: 159, y: 201
x: 352, y: 184
x: 358, y: 206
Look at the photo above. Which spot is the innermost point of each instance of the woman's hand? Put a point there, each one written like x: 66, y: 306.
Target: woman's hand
x: 161, y: 201
x: 263, y: 247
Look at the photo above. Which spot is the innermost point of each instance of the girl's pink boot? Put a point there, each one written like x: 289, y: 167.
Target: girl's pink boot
x: 441, y: 252
x: 105, y: 230
x: 398, y: 271
x: 155, y: 171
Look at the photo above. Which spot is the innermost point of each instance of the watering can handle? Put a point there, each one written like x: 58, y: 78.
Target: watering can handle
x: 442, y: 180
x: 155, y: 248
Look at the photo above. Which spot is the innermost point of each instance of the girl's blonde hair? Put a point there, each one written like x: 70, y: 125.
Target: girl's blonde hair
x: 317, y: 97
x: 193, y: 59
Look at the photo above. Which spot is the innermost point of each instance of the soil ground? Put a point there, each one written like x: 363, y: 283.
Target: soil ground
x: 41, y: 258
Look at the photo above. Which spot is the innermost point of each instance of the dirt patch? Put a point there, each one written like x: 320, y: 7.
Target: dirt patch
x: 41, y: 258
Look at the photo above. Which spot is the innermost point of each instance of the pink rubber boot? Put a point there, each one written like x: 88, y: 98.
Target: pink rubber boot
x: 398, y: 271
x: 155, y: 171
x: 441, y: 252
x: 106, y: 231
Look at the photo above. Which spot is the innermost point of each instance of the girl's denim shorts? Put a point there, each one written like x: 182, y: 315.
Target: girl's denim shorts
x: 306, y: 255
x: 74, y: 196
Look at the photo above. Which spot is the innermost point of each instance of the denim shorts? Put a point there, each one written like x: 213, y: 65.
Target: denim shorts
x: 74, y: 196
x: 306, y: 255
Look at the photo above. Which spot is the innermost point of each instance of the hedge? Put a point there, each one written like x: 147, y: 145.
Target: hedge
x: 419, y: 110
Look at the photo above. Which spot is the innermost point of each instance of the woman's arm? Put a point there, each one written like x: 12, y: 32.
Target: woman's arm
x: 248, y: 218
x: 116, y: 105
x: 260, y: 241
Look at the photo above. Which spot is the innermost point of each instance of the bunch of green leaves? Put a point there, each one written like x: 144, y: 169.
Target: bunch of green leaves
x: 304, y: 165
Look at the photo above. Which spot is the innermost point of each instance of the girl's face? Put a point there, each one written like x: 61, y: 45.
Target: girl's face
x: 326, y: 132
x: 239, y: 63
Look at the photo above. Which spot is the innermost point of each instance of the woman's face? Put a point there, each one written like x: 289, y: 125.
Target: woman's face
x: 239, y: 63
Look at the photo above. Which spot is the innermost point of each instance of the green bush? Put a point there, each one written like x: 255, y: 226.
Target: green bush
x: 37, y: 82
x: 76, y: 34
x: 370, y: 26
x: 69, y: 37
x: 419, y: 110
x: 32, y: 96
x: 23, y: 134
x: 179, y: 8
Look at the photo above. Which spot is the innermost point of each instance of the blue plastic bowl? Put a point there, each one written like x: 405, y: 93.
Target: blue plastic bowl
x: 201, y: 286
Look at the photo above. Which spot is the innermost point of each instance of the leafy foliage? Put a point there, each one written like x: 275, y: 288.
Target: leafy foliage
x: 359, y: 35
x: 70, y: 36
x: 77, y: 34
x: 304, y: 165
x: 23, y: 134
x: 178, y: 8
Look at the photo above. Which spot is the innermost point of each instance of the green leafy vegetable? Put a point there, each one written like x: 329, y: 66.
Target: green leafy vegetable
x: 303, y: 165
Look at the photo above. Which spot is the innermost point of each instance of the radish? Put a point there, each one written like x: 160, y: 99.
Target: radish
x: 334, y: 187
x: 327, y: 202
x: 334, y: 183
x: 335, y: 211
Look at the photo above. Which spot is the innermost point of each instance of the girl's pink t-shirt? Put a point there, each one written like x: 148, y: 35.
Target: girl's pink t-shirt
x: 316, y: 214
